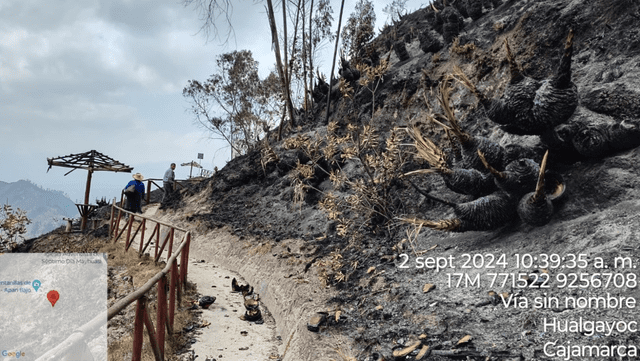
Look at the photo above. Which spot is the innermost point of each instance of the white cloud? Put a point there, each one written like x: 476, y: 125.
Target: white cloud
x: 77, y: 75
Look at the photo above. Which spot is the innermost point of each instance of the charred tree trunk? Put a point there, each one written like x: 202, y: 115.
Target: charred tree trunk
x: 281, y: 72
x: 311, y: 53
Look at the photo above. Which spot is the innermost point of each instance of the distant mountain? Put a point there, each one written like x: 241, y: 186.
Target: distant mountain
x: 45, y: 208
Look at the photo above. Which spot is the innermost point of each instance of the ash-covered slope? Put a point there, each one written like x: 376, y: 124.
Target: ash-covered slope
x: 339, y: 185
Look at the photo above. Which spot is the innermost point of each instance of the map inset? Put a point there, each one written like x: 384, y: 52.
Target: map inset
x: 47, y: 297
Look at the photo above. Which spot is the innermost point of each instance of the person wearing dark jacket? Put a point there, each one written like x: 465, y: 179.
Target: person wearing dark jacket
x: 134, y: 198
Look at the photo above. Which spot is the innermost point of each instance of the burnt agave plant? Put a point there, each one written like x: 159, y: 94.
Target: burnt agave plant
x: 535, y: 208
x: 518, y: 177
x: 464, y: 181
x: 470, y: 145
x: 529, y: 106
x: 320, y: 90
x: 474, y: 9
x: 452, y: 23
x: 349, y: 73
x: 596, y: 141
x: 483, y: 214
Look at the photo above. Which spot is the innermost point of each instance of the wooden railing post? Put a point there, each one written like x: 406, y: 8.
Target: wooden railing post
x: 148, y: 190
x: 161, y: 312
x: 185, y: 261
x: 142, y: 242
x: 127, y: 245
x: 156, y: 229
x: 172, y: 291
x: 131, y: 216
x: 113, y: 209
x: 123, y: 229
x: 116, y: 225
x: 144, y: 226
x: 155, y: 255
x: 138, y: 328
x: 170, y: 243
x: 159, y: 355
x: 164, y: 244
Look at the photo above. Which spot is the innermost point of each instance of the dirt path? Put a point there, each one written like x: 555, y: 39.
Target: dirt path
x: 226, y: 336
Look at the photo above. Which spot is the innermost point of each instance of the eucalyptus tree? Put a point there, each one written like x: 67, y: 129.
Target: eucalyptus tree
x: 234, y: 103
x: 304, y: 27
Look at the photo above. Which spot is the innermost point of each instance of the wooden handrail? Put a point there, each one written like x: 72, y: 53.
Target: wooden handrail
x: 124, y: 302
x: 153, y: 180
x: 127, y: 300
x: 165, y: 317
x: 150, y: 219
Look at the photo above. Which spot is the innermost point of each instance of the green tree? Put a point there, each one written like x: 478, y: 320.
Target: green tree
x: 211, y: 10
x: 235, y: 104
x: 304, y: 25
x: 13, y: 226
x: 318, y: 34
x: 359, y: 29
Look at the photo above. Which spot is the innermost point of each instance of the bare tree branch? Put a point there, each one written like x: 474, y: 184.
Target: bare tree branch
x: 210, y: 11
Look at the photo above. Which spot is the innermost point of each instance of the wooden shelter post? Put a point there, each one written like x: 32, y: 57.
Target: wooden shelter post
x: 85, y: 216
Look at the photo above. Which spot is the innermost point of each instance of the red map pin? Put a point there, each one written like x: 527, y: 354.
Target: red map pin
x: 53, y: 297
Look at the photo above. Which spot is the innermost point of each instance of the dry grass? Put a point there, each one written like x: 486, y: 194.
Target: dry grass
x: 261, y: 249
x: 141, y: 270
x: 298, y: 142
x: 464, y: 50
x: 329, y: 269
x: 267, y: 155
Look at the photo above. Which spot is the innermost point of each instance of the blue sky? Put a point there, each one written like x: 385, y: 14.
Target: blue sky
x: 108, y: 75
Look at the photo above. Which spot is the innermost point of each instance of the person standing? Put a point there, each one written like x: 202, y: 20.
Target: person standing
x: 134, y: 198
x: 168, y: 182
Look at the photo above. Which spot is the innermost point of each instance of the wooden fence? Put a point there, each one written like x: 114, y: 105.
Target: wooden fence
x: 165, y: 316
x: 165, y: 313
x: 152, y: 181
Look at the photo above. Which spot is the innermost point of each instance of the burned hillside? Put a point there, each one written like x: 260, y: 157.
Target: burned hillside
x: 513, y: 79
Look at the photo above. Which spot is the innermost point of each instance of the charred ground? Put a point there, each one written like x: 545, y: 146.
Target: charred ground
x: 269, y: 194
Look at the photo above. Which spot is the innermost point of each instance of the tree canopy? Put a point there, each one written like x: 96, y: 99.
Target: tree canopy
x: 13, y: 226
x: 234, y: 103
x: 359, y: 29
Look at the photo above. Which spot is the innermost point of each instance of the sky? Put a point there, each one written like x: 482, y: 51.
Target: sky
x: 77, y: 75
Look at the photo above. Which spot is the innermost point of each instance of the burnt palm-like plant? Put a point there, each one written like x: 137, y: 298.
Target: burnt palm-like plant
x: 529, y: 106
x: 460, y: 180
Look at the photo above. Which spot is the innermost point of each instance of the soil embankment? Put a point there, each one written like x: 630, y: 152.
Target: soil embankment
x: 290, y: 295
